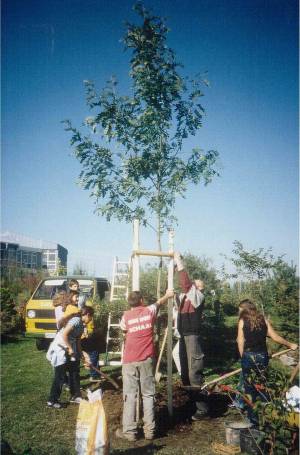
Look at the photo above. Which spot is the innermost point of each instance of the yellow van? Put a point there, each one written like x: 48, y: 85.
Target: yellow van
x: 40, y: 315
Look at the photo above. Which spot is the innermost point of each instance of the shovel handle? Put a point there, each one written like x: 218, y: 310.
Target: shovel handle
x: 106, y: 376
x: 232, y: 373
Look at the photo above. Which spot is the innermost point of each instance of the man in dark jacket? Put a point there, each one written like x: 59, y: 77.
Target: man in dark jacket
x: 190, y: 308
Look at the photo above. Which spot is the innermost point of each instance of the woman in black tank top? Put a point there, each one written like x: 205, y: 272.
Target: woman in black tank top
x: 253, y: 329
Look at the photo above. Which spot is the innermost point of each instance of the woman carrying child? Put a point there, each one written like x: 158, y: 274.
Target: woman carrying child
x: 64, y: 354
x: 253, y: 329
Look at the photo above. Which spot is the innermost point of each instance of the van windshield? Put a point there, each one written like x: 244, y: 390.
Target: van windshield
x: 86, y: 287
x: 48, y: 289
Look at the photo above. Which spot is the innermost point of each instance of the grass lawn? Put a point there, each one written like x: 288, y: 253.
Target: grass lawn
x: 31, y: 428
x: 27, y: 424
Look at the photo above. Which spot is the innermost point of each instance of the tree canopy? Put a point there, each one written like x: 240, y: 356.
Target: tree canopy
x: 131, y: 149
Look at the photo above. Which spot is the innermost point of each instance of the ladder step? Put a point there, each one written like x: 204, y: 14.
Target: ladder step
x: 120, y: 286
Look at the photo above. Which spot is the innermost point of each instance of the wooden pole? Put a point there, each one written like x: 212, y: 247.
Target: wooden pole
x: 170, y: 325
x: 157, y: 373
x: 232, y: 373
x: 135, y: 258
x: 138, y: 252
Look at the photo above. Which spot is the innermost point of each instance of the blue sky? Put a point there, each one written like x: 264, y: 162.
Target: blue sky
x: 249, y: 49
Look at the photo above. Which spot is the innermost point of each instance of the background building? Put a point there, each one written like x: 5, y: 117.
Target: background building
x: 19, y: 251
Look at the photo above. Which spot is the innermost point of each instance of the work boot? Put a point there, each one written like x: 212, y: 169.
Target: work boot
x: 129, y: 437
x: 199, y: 415
x: 149, y: 437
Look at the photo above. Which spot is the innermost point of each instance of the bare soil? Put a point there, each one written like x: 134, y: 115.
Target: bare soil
x: 178, y: 436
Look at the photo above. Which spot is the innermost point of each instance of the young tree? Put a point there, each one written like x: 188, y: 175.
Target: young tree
x: 286, y: 285
x: 79, y: 269
x: 131, y: 148
x: 258, y: 268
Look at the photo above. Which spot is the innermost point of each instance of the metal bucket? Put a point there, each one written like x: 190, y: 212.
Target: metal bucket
x: 232, y: 431
x: 252, y: 442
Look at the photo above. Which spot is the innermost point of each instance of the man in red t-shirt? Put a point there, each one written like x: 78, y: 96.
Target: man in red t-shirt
x: 138, y: 364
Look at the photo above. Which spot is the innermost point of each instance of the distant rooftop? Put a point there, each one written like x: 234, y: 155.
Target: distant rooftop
x: 11, y: 237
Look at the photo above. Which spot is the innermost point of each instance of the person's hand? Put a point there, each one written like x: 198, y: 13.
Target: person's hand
x: 293, y: 346
x: 176, y: 256
x: 70, y: 352
x: 86, y: 360
x: 169, y: 294
x: 178, y: 261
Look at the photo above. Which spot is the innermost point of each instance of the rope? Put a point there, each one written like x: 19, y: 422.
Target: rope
x: 224, y: 449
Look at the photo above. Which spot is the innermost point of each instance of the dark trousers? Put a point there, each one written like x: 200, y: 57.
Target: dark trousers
x: 254, y: 365
x: 94, y: 356
x: 192, y: 364
x: 72, y: 367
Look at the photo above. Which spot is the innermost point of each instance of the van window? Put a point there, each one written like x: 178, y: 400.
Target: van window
x: 48, y: 289
x: 86, y: 287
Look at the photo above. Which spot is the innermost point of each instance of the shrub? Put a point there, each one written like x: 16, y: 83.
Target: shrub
x: 10, y: 318
x: 273, y: 415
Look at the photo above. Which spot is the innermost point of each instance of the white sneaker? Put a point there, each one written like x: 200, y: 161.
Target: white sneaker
x: 54, y: 404
x: 76, y: 400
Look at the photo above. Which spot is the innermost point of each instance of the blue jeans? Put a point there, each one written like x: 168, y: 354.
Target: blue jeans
x: 254, y: 363
x: 94, y: 356
x: 238, y: 402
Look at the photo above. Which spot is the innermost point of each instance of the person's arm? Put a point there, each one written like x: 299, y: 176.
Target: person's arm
x: 168, y: 295
x: 240, y: 337
x: 278, y: 339
x: 184, y: 280
x: 123, y: 324
x: 65, y: 336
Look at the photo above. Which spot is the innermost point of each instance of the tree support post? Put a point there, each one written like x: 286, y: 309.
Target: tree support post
x: 136, y: 287
x: 135, y: 257
x: 170, y: 326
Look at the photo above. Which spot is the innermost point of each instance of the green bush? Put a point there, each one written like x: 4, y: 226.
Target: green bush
x: 273, y: 415
x: 10, y: 318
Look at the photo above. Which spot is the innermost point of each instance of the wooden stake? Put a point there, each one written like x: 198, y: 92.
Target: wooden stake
x: 135, y: 258
x: 157, y: 373
x: 170, y: 325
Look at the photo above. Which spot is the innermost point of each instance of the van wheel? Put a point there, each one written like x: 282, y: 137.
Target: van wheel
x: 42, y: 344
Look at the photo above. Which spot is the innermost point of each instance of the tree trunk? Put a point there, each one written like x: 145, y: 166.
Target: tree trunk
x: 159, y: 270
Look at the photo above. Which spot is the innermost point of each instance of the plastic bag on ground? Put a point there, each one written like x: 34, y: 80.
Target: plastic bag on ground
x: 91, y: 427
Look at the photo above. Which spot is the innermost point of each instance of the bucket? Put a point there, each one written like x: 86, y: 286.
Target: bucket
x: 252, y: 442
x: 232, y: 431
